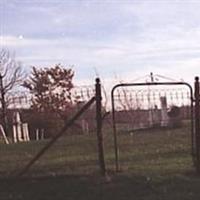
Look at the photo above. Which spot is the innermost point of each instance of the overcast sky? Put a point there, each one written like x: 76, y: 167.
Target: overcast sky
x: 116, y: 39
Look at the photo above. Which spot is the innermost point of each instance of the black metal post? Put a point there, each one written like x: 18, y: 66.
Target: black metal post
x: 3, y: 106
x: 99, y: 126
x: 197, y: 123
x: 117, y: 167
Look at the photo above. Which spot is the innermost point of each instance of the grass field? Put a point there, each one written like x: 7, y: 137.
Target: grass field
x: 155, y: 164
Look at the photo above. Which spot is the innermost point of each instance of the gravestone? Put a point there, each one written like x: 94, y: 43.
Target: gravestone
x: 164, y: 115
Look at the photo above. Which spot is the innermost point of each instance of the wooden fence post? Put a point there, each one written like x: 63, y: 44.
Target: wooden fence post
x: 99, y: 126
x: 197, y: 123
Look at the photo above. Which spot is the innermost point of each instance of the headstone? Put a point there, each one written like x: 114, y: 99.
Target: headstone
x: 164, y: 115
x: 17, y: 131
x: 37, y: 134
x: 25, y: 132
x: 20, y: 130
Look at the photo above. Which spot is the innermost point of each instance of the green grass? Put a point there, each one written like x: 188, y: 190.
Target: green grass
x: 155, y: 165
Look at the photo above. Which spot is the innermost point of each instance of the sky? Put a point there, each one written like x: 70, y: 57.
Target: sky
x: 118, y: 40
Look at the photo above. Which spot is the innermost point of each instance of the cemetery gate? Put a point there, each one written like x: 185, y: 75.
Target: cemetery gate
x: 137, y: 106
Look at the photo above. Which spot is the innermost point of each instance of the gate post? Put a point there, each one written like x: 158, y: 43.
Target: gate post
x: 197, y: 124
x: 99, y: 126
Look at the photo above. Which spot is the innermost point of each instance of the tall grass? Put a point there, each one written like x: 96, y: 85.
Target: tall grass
x: 147, y: 151
x: 155, y: 165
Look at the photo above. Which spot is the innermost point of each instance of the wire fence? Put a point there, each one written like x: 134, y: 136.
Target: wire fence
x: 75, y: 152
x: 145, y: 109
x: 151, y: 106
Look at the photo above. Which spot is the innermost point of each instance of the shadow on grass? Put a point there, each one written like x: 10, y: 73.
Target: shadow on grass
x: 118, y: 187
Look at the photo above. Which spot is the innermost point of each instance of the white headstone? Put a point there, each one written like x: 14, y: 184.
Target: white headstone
x: 164, y: 116
x: 25, y: 132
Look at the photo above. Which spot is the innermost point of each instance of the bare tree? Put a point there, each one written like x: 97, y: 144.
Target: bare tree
x: 11, y: 75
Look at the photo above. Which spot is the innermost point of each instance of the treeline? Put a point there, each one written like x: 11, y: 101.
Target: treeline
x: 50, y: 87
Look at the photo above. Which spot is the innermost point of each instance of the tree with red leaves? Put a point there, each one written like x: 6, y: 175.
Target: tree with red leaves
x: 51, y: 89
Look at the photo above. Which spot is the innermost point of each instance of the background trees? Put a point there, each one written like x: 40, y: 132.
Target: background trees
x: 11, y: 75
x: 51, y: 97
x: 51, y: 89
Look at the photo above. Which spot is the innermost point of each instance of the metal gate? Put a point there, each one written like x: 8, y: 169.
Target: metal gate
x: 148, y: 102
